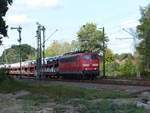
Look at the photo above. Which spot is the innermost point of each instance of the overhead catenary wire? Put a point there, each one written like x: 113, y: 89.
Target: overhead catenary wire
x: 50, y: 36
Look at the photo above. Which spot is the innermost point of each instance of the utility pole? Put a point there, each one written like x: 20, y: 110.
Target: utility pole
x: 103, y: 34
x: 39, y: 52
x: 104, y: 53
x: 43, y: 45
x: 43, y: 29
x: 41, y: 49
x: 19, y: 29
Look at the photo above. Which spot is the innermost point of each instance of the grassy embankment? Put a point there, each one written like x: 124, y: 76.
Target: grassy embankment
x: 85, y: 100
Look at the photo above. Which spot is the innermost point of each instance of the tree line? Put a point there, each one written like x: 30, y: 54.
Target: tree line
x: 12, y: 54
x: 90, y: 38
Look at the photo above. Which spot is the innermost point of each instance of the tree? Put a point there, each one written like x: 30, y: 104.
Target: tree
x: 125, y: 56
x: 109, y: 56
x: 110, y: 63
x: 75, y: 45
x: 53, y: 49
x: 125, y: 65
x: 127, y: 69
x: 58, y: 48
x: 65, y: 48
x: 91, y: 38
x: 144, y: 35
x: 11, y: 55
x: 3, y: 9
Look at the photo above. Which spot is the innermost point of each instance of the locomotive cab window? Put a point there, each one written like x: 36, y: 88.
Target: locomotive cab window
x: 94, y: 56
x: 86, y: 57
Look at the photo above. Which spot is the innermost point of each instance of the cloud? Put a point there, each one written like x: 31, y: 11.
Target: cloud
x: 19, y: 19
x: 42, y: 3
x: 132, y: 23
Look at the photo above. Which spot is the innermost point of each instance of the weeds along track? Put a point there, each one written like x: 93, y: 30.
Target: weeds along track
x: 134, y: 82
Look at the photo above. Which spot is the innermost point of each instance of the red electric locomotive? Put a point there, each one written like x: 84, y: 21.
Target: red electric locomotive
x: 79, y: 65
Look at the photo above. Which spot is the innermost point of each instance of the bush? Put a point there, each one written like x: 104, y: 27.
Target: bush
x: 145, y: 75
x: 127, y: 70
x: 3, y: 74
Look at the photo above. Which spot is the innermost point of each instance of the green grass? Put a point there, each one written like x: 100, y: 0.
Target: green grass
x: 101, y: 106
x: 106, y: 106
x: 32, y: 102
x: 81, y: 98
x: 36, y: 98
x: 10, y: 86
x: 59, y: 92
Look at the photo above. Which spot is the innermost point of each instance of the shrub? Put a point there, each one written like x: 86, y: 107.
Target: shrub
x: 145, y: 75
x: 3, y: 74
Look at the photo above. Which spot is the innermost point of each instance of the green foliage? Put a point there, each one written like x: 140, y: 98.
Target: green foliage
x: 11, y: 55
x: 11, y: 86
x: 112, y: 69
x: 120, y: 65
x: 54, y: 49
x: 107, y: 106
x: 58, y: 48
x: 59, y: 92
x: 144, y: 34
x: 125, y: 56
x: 75, y: 45
x: 109, y: 56
x: 3, y: 9
x: 127, y: 69
x: 110, y: 64
x: 36, y: 98
x: 101, y: 106
x: 91, y: 38
x: 86, y: 100
x: 3, y: 74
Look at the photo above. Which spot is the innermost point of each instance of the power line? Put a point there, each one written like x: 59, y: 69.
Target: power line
x: 50, y: 36
x: 134, y: 36
x: 115, y: 32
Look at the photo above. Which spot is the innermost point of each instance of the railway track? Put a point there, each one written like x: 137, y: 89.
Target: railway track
x: 112, y: 81
x: 101, y: 81
x: 124, y: 82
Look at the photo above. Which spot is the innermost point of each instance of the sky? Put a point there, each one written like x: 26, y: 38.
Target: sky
x: 69, y: 15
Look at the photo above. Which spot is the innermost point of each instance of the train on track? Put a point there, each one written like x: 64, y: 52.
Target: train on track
x: 79, y: 65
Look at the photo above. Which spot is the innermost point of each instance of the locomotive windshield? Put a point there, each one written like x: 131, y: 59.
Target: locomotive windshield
x: 86, y: 57
x: 94, y: 56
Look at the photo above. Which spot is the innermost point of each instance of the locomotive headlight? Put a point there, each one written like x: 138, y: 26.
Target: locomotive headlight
x: 86, y: 65
x: 94, y: 64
